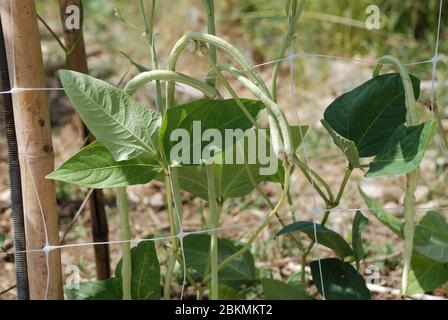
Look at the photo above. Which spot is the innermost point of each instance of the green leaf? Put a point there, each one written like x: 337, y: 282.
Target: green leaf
x: 239, y: 272
x: 359, y: 223
x: 128, y: 129
x: 404, y: 152
x: 198, y: 116
x: 233, y: 180
x: 324, y: 236
x: 426, y: 274
x: 145, y: 281
x: 94, y: 167
x: 348, y: 147
x: 340, y: 280
x: 431, y: 237
x: 2, y: 239
x: 393, y: 223
x: 278, y: 290
x: 227, y: 293
x: 369, y: 114
x: 109, y: 289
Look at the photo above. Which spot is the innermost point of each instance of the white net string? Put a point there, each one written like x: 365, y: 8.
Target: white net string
x: 314, y: 211
x: 182, y: 234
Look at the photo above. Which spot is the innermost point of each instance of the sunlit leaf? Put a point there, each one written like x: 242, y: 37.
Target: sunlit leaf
x: 233, y: 180
x: 94, y: 167
x: 370, y: 113
x: 125, y: 127
x: 404, y: 152
x: 198, y: 116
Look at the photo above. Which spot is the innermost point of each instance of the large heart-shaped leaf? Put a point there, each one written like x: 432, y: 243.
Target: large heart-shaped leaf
x: 359, y: 224
x: 339, y: 280
x: 278, y: 290
x: 184, y: 126
x: 94, y: 167
x: 128, y: 129
x: 369, y: 114
x: 324, y: 236
x: 426, y: 274
x: 404, y: 151
x: 145, y: 281
x: 233, y: 180
x: 109, y: 289
x: 239, y: 272
x: 431, y: 237
x: 393, y: 223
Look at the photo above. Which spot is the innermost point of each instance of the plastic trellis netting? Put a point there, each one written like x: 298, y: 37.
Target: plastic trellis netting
x: 291, y: 58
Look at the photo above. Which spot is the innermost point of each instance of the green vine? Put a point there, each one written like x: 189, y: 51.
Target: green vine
x: 412, y: 177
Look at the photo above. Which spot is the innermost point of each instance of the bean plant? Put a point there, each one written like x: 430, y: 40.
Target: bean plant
x: 375, y: 126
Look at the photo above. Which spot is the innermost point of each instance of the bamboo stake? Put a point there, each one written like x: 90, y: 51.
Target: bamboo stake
x: 76, y: 60
x: 35, y: 147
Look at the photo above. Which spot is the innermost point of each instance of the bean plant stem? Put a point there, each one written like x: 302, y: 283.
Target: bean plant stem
x: 171, y: 262
x: 347, y: 175
x: 257, y: 86
x: 328, y: 208
x: 409, y: 226
x: 214, y: 224
x: 260, y: 228
x: 55, y: 36
x: 149, y: 31
x: 234, y: 54
x: 212, y: 201
x: 412, y: 177
x: 211, y: 28
x: 235, y: 96
x: 294, y: 11
x: 271, y: 205
x: 172, y: 253
x: 171, y: 217
x: 258, y: 126
x: 307, y: 172
x: 126, y: 269
x: 277, y: 118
